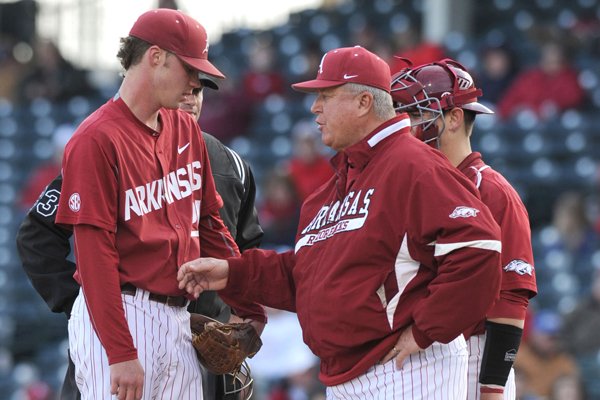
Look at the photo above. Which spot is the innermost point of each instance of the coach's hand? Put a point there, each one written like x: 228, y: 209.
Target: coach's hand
x: 203, y: 274
x: 127, y: 380
x: 405, y: 346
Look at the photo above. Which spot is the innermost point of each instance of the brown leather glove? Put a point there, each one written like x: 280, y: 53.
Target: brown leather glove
x: 222, y: 348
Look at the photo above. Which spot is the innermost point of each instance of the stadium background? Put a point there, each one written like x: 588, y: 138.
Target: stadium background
x: 544, y: 155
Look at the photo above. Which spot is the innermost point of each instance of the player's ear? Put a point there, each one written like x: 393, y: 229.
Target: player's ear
x: 454, y: 119
x: 154, y: 54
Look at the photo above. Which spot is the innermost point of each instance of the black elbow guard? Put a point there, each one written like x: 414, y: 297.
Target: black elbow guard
x: 501, y: 346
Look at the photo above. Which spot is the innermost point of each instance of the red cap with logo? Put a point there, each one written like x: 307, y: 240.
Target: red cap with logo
x: 178, y: 33
x: 349, y: 65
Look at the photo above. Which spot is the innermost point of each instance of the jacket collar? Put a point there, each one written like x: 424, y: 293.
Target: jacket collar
x: 358, y: 155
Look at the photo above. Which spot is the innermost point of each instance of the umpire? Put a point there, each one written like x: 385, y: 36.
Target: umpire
x: 44, y: 246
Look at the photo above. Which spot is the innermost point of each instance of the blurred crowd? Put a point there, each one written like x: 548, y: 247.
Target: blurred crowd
x: 541, y: 75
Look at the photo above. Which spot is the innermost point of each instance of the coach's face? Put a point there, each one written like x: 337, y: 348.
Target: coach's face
x: 337, y: 110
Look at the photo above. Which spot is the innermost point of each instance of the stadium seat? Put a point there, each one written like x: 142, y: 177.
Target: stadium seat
x: 590, y: 371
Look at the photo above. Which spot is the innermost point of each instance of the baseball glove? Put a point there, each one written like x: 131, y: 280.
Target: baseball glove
x: 222, y: 348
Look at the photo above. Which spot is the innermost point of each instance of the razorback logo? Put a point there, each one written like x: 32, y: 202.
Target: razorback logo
x: 464, y: 212
x: 520, y: 267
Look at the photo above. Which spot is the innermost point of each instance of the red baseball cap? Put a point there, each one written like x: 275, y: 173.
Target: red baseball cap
x: 349, y: 65
x: 178, y: 33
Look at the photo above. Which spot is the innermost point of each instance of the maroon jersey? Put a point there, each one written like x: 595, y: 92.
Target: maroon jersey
x: 397, y: 237
x: 518, y: 272
x: 151, y: 191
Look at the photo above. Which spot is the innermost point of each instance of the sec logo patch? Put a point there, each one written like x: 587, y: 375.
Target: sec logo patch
x: 75, y: 202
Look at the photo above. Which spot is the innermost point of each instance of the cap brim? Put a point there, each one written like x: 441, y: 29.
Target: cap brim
x: 208, y: 81
x: 209, y: 84
x: 315, y: 84
x: 203, y: 66
x: 477, y: 107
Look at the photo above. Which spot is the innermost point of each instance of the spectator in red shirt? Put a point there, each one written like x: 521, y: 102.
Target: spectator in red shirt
x: 412, y: 46
x: 546, y: 89
x: 278, y: 210
x: 308, y: 168
x: 262, y: 78
x: 232, y: 109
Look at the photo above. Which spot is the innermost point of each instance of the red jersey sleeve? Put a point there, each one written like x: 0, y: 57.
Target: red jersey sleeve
x: 211, y: 200
x: 517, y: 255
x: 216, y: 241
x: 89, y: 203
x: 518, y: 272
x: 90, y: 186
x: 99, y: 279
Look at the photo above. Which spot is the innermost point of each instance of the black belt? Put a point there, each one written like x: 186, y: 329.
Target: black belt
x: 173, y: 301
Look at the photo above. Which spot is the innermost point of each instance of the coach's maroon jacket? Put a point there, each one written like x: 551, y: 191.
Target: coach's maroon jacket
x: 397, y: 237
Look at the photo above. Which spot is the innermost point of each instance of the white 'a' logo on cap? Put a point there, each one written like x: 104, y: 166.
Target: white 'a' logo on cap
x: 206, y: 48
x: 321, y: 64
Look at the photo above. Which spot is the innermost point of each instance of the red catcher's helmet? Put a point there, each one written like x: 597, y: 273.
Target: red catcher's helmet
x: 431, y: 89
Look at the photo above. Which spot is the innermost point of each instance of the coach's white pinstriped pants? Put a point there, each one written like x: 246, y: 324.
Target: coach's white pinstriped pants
x: 436, y: 373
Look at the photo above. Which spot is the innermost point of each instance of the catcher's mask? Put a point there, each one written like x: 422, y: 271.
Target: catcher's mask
x: 239, y: 383
x: 426, y: 91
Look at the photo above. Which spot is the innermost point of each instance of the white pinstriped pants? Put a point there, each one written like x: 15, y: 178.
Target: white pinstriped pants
x: 162, y: 337
x: 436, y: 373
x: 475, y: 346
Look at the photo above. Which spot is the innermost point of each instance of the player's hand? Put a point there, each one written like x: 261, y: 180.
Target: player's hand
x: 203, y: 274
x: 127, y: 380
x: 405, y: 346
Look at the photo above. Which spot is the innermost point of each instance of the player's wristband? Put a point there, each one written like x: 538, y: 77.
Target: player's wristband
x: 501, y: 346
x: 487, y: 389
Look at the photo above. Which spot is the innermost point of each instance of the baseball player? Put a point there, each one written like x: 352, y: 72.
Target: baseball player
x: 43, y: 245
x: 441, y: 99
x: 138, y: 192
x: 389, y: 252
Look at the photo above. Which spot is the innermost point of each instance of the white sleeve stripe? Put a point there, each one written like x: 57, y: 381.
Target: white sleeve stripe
x: 443, y: 249
x: 239, y: 165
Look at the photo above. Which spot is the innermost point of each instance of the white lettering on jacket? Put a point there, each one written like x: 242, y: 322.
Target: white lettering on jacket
x: 174, y: 186
x: 340, y: 216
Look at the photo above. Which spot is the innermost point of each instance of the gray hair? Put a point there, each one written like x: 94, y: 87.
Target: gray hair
x: 382, y: 100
